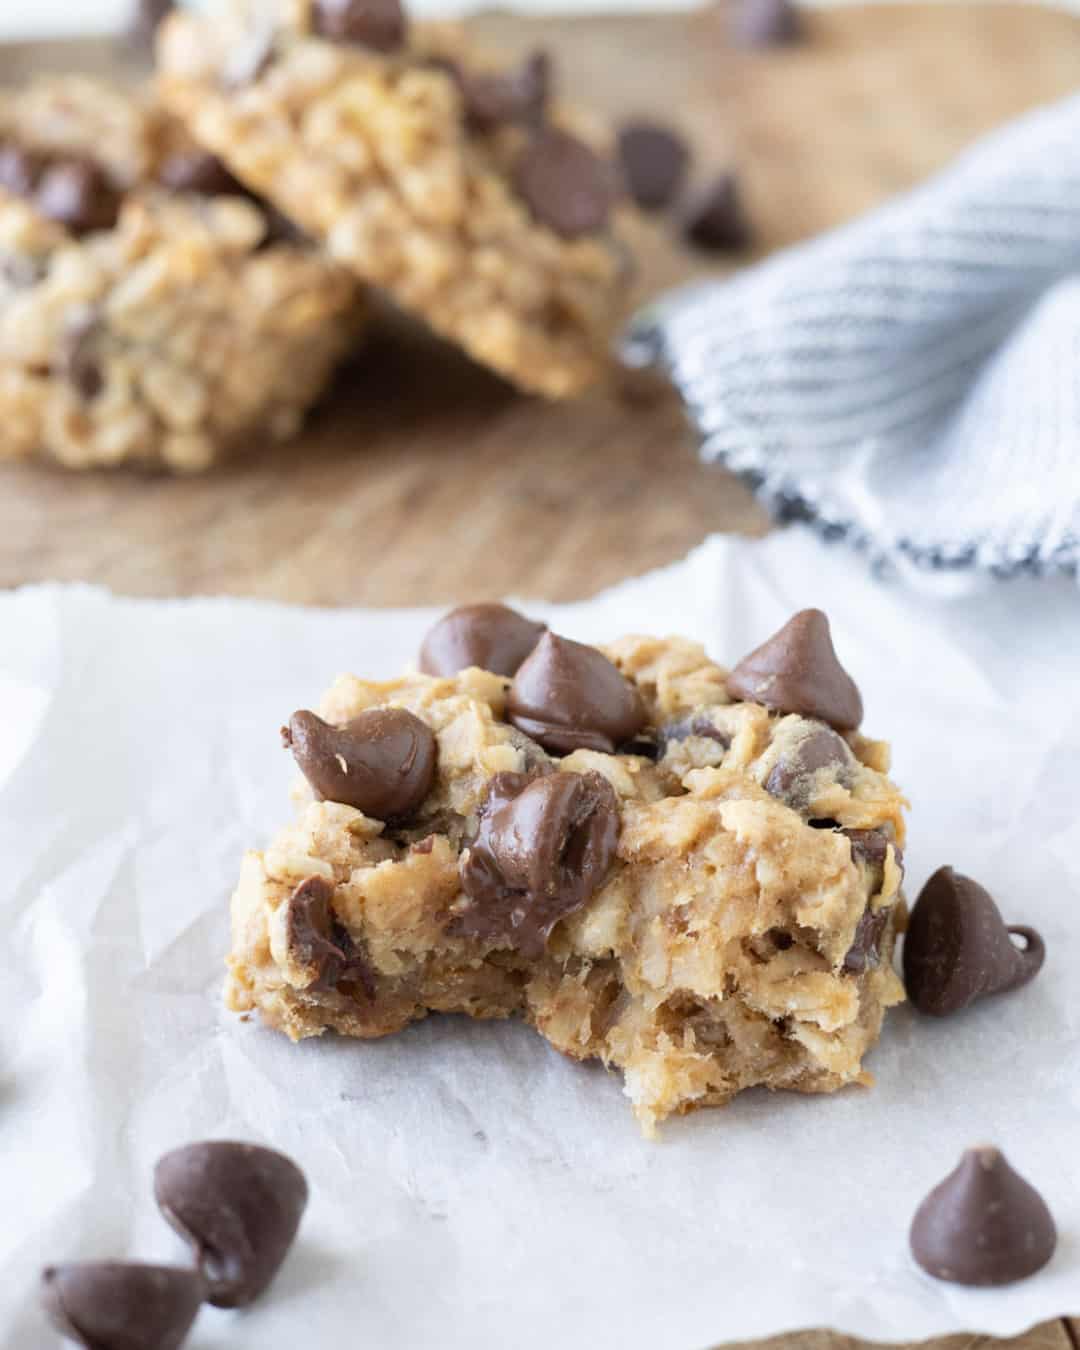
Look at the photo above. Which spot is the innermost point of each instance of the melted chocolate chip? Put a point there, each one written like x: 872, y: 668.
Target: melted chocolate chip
x: 239, y: 1207
x: 654, y: 160
x: 382, y: 762
x: 791, y: 779
x: 958, y: 949
x: 493, y: 637
x: 500, y: 98
x: 20, y: 170
x: 568, y: 697
x: 198, y: 171
x: 983, y: 1225
x: 797, y: 671
x: 865, y: 951
x: 765, y: 23
x: 565, y: 184
x: 317, y: 941
x: 119, y: 1305
x: 543, y: 847
x: 378, y: 24
x: 75, y: 193
x: 716, y: 222
x: 148, y: 17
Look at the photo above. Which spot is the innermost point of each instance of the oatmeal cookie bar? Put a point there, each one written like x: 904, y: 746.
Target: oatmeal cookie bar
x: 453, y: 185
x: 692, y: 876
x: 148, y: 312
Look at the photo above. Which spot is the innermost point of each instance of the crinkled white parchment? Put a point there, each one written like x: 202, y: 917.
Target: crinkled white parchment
x: 471, y: 1188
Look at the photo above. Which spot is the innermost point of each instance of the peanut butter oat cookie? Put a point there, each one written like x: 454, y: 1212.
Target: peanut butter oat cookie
x: 702, y: 892
x: 456, y: 186
x: 148, y: 313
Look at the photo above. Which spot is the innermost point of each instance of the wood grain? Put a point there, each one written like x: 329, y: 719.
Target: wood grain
x: 425, y: 480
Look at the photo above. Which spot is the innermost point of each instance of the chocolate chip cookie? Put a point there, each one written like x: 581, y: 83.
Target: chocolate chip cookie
x: 149, y: 314
x: 697, y: 885
x: 461, y: 188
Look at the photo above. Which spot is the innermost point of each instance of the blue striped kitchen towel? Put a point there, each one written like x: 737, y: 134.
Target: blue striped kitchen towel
x: 911, y: 382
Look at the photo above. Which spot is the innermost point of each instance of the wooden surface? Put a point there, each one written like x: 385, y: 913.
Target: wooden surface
x: 426, y: 480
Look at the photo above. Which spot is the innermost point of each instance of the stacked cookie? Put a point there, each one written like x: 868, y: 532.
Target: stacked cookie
x: 182, y: 271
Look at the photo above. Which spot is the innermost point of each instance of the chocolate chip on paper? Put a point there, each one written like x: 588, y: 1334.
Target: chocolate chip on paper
x: 381, y: 762
x: 565, y: 184
x: 494, y: 637
x: 239, y: 1206
x: 983, y: 1225
x: 797, y: 671
x: 122, y: 1305
x: 378, y: 24
x: 716, y: 221
x: 654, y: 161
x: 958, y: 948
x: 765, y: 23
x: 568, y: 696
x: 544, y: 845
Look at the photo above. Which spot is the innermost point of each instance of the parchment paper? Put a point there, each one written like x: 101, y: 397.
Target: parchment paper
x: 472, y: 1189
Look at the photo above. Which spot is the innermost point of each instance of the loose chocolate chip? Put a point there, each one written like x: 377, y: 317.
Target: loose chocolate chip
x: 119, y: 1305
x: 543, y: 847
x: 791, y: 779
x: 198, y: 171
x: 75, y: 193
x: 765, y: 23
x: 654, y: 160
x: 316, y: 940
x: 569, y: 697
x: 983, y: 1225
x: 239, y: 1207
x: 565, y: 184
x: 20, y: 170
x: 148, y: 17
x: 698, y: 724
x: 499, y: 98
x: 379, y: 24
x: 492, y: 637
x: 796, y: 671
x: 382, y: 762
x: 716, y: 221
x: 958, y: 948
x: 865, y: 951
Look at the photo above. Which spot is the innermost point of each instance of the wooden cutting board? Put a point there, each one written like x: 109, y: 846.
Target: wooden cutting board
x: 426, y: 480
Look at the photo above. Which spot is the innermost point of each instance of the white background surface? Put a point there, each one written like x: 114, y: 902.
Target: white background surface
x: 42, y: 17
x: 471, y: 1188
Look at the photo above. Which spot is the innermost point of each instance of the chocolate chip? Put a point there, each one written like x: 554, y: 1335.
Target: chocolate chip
x: 983, y: 1225
x: 382, y: 762
x: 379, y: 24
x: 198, y: 171
x: 20, y: 170
x: 119, y: 1305
x: 865, y: 951
x: 543, y: 847
x: 148, y: 17
x: 791, y: 779
x: 796, y: 671
x: 77, y: 359
x: 75, y: 193
x: 569, y: 697
x: 698, y: 724
x: 492, y: 637
x: 958, y: 948
x: 239, y: 1207
x: 500, y: 98
x: 868, y: 846
x: 317, y: 941
x: 765, y: 23
x: 716, y: 220
x: 654, y: 160
x: 565, y: 184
